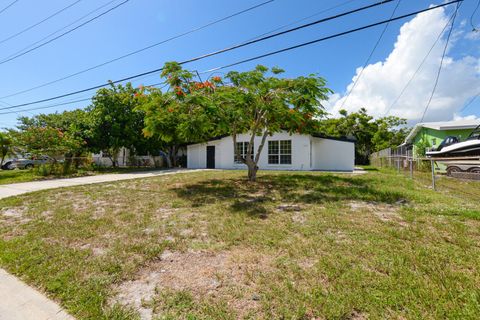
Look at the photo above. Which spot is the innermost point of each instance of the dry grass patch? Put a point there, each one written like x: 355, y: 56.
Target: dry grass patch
x: 228, y: 275
x: 208, y: 245
x: 384, y: 212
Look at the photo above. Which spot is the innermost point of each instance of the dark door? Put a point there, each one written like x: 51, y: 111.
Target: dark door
x: 210, y: 157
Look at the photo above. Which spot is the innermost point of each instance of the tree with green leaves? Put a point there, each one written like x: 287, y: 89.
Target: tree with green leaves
x: 370, y: 134
x: 115, y: 121
x: 256, y: 102
x: 46, y: 140
x: 6, y: 146
x: 75, y: 129
x: 261, y: 103
x: 178, y: 115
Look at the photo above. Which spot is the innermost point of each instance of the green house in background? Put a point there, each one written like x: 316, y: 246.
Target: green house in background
x: 431, y: 134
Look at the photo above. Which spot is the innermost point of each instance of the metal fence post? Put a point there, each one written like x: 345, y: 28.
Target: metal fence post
x: 433, y: 175
x: 411, y: 167
x: 398, y: 161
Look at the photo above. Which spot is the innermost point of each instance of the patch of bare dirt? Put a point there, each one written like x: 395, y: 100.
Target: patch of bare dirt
x: 356, y: 315
x: 96, y: 251
x: 384, y: 212
x: 166, y: 212
x: 289, y: 207
x: 299, y: 218
x: 228, y: 275
x: 338, y: 236
x: 14, y: 215
x: 15, y: 212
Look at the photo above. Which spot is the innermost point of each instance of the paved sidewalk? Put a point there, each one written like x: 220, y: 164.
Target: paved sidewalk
x: 18, y: 301
x: 21, y: 302
x: 15, y: 189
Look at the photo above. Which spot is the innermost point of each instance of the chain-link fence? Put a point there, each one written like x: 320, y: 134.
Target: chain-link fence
x: 428, y: 170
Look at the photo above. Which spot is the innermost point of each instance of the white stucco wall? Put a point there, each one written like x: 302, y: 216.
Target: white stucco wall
x: 308, y: 153
x: 332, y: 155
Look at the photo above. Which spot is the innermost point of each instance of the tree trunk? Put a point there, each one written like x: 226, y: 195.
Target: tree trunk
x: 172, y: 156
x: 252, y: 172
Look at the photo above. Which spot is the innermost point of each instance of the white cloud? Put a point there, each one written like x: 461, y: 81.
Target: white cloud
x: 458, y: 117
x: 382, y: 82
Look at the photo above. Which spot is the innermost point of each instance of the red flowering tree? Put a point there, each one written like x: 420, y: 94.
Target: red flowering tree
x: 46, y: 140
x: 253, y: 102
x: 178, y: 115
x: 261, y: 104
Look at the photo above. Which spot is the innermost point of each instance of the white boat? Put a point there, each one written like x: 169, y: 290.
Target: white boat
x: 452, y: 147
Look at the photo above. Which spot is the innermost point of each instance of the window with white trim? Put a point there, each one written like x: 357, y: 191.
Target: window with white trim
x: 280, y: 152
x: 242, y: 148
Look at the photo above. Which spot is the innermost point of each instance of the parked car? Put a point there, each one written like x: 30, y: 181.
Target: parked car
x: 6, y: 165
x: 28, y: 163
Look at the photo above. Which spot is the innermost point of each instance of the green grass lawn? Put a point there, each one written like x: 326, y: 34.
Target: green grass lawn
x: 209, y: 245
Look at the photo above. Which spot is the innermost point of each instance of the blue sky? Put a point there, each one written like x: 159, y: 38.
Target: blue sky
x: 139, y: 23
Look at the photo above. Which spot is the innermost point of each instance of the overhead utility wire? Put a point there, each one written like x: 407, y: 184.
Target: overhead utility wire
x: 470, y: 102
x: 243, y: 44
x: 474, y: 28
x: 441, y: 63
x: 418, y: 69
x: 63, y: 34
x: 67, y: 102
x: 8, y: 6
x: 72, y: 101
x: 141, y: 50
x: 370, y: 56
x: 331, y: 37
x: 242, y: 61
x: 239, y: 45
x: 39, y: 23
x: 61, y: 29
x: 303, y: 19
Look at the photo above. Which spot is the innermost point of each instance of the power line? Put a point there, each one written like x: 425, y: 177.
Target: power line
x: 61, y: 29
x: 441, y: 63
x: 141, y: 50
x: 470, y: 102
x: 331, y: 37
x: 418, y: 69
x: 228, y: 48
x: 63, y: 34
x: 67, y: 102
x: 40, y: 22
x: 242, y: 61
x: 474, y: 28
x: 303, y: 19
x: 243, y: 44
x: 8, y: 6
x: 370, y: 56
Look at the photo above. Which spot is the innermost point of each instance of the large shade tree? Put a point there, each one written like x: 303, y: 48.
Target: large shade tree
x: 116, y: 122
x: 260, y: 103
x: 257, y: 102
x: 177, y: 115
x: 370, y: 134
x: 46, y: 140
x: 72, y: 128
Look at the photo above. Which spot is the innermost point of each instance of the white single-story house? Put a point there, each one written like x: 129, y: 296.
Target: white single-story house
x: 281, y: 151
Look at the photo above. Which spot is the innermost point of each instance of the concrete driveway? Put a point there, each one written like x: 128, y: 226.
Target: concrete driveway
x: 15, y: 189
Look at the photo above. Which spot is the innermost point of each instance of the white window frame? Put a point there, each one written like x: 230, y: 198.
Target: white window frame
x: 279, y: 153
x: 243, y: 152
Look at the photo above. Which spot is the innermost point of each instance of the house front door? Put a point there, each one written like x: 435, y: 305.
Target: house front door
x: 210, y: 157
